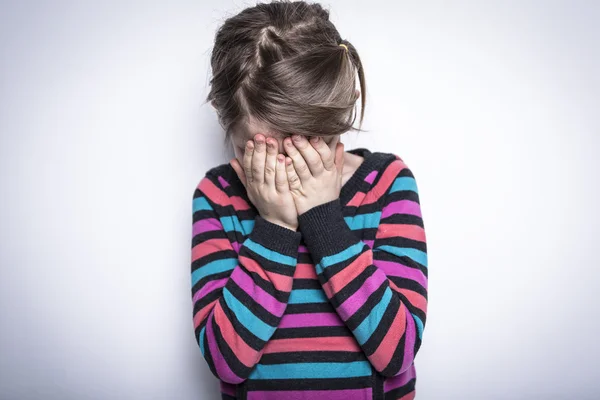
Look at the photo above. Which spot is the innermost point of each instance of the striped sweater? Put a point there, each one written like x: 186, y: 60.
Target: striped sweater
x: 335, y: 310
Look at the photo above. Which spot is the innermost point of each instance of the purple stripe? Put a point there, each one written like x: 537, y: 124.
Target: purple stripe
x: 223, y: 182
x: 354, y: 394
x: 227, y: 388
x: 223, y: 370
x: 302, y: 249
x: 391, y: 268
x: 401, y: 207
x: 409, y: 340
x: 371, y: 177
x: 399, y: 380
x: 359, y: 298
x: 209, y: 287
x: 310, y: 319
x: 257, y: 293
x: 205, y: 225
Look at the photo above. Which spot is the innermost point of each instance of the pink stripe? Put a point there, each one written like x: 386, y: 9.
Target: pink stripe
x: 409, y: 340
x: 401, y: 207
x: 399, y: 380
x: 209, y: 287
x: 205, y: 225
x: 223, y: 370
x: 354, y: 394
x: 371, y: 177
x: 391, y: 268
x: 257, y: 293
x: 310, y: 319
x: 359, y: 298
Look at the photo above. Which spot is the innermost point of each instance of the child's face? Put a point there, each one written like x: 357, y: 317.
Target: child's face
x: 239, y: 139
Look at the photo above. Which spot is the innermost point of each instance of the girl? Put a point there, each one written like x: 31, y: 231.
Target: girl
x: 309, y: 263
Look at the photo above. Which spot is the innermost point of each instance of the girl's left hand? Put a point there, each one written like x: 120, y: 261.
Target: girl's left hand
x: 314, y: 170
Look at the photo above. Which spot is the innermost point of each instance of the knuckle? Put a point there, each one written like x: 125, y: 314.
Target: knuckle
x: 302, y: 168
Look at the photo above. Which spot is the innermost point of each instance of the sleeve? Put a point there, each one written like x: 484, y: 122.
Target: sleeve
x: 238, y: 297
x: 380, y: 292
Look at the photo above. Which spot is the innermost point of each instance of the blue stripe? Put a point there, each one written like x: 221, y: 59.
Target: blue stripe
x: 232, y: 223
x: 414, y: 254
x: 341, y: 256
x: 270, y: 254
x: 419, y: 324
x: 201, y: 340
x: 364, y: 331
x: 364, y: 221
x: 200, y: 203
x: 311, y: 370
x: 404, y: 183
x: 299, y: 296
x: 214, y: 267
x: 247, y: 318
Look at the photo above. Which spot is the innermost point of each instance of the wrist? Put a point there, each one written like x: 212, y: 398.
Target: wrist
x: 275, y: 237
x: 304, y: 208
x: 325, y: 230
x: 281, y: 224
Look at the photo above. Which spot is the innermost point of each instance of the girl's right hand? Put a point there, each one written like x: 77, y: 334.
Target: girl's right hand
x: 264, y: 175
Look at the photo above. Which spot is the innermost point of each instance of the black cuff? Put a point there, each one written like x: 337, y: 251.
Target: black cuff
x: 325, y: 231
x: 275, y: 237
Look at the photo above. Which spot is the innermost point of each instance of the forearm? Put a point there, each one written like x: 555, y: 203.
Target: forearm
x: 371, y: 305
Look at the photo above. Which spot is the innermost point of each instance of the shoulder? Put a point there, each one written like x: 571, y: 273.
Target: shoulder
x: 393, y: 173
x: 216, y: 182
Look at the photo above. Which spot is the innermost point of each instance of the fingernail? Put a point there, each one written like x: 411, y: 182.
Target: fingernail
x: 315, y: 139
x: 296, y: 137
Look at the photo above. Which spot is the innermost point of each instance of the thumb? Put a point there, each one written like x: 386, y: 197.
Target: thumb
x: 339, y: 156
x: 235, y: 164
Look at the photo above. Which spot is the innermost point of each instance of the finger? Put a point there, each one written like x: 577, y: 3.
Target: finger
x: 258, y: 158
x: 239, y: 171
x: 300, y: 166
x: 248, y: 152
x: 281, y: 179
x: 333, y: 143
x: 311, y: 157
x: 327, y: 156
x: 271, y: 161
x: 292, y: 177
x: 339, y: 156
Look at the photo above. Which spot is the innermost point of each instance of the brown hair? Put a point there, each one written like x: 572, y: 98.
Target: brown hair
x: 281, y: 63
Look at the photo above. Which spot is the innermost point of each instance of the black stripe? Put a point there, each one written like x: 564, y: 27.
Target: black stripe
x: 312, y: 357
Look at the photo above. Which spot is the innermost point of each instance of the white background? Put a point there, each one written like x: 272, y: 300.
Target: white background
x: 104, y: 136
